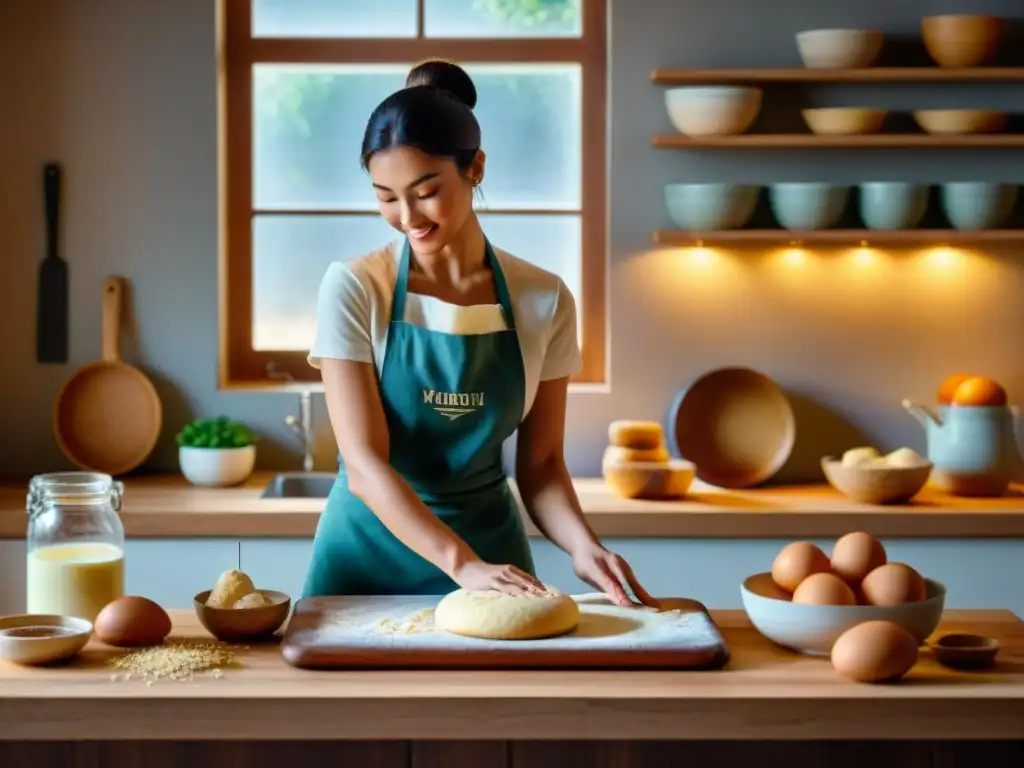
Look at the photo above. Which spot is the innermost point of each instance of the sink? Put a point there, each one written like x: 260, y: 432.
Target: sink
x: 299, y: 485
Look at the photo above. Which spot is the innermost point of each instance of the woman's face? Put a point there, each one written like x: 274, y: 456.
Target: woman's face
x: 424, y: 197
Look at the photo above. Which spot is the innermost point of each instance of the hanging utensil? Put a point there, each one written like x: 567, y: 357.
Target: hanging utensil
x: 52, y: 301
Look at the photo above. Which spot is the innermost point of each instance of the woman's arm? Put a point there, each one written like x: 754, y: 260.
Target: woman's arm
x: 360, y: 428
x: 550, y: 498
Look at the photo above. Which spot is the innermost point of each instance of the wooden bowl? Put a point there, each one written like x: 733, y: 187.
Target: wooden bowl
x: 962, y: 39
x: 843, y: 121
x: 713, y: 110
x: 876, y: 485
x: 230, y: 624
x: 839, y: 48
x: 649, y: 480
x: 736, y: 425
x: 963, y: 651
x: 958, y: 121
x: 33, y: 638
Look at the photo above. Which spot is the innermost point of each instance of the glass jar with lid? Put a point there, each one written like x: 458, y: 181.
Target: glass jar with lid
x: 75, y: 543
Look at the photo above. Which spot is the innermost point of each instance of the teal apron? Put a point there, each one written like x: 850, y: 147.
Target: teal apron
x: 451, y: 401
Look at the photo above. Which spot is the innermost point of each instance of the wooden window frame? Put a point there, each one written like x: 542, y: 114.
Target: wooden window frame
x: 242, y: 367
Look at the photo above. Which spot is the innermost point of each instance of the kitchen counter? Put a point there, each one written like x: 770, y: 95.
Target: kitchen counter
x: 167, y: 506
x: 765, y: 693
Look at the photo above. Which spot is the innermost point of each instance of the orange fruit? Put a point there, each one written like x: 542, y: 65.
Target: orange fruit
x: 949, y: 385
x: 979, y: 391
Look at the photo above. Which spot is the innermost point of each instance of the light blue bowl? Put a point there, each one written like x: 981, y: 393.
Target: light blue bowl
x: 978, y: 204
x: 887, y: 205
x: 711, y: 206
x: 808, y: 204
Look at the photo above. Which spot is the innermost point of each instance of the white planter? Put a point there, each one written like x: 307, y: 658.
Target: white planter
x: 216, y: 466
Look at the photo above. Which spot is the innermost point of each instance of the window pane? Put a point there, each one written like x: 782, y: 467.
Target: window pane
x: 334, y: 18
x: 307, y: 131
x: 531, y: 119
x: 290, y: 257
x: 502, y: 18
x: 291, y: 254
x: 309, y: 122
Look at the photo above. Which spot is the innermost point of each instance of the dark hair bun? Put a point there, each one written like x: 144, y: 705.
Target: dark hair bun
x: 445, y: 75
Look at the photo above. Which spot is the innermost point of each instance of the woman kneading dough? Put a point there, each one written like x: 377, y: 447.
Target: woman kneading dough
x: 434, y: 350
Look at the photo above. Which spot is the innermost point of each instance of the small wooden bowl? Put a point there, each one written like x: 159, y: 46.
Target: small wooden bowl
x: 876, y: 485
x: 843, y: 121
x: 961, y: 121
x: 229, y: 624
x: 32, y: 639
x: 963, y: 651
x: 649, y: 479
x: 962, y: 39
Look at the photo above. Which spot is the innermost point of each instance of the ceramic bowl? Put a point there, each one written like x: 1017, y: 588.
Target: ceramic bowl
x: 963, y: 651
x: 876, y: 485
x: 216, y: 467
x: 808, y: 205
x: 812, y: 629
x: 962, y: 39
x: 711, y: 206
x: 839, y: 48
x: 960, y: 121
x: 889, y: 205
x: 978, y: 204
x: 32, y: 639
x: 649, y: 480
x: 229, y: 624
x: 843, y: 121
x: 713, y: 110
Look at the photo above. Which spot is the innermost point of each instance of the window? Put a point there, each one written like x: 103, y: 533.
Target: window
x: 299, y: 79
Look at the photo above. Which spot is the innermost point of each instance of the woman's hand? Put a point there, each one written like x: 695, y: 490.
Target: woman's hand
x: 476, y: 574
x: 610, y: 574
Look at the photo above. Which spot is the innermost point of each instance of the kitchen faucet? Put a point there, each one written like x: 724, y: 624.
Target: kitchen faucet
x: 303, y: 424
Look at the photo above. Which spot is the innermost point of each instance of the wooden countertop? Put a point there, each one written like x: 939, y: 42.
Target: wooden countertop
x: 159, y: 506
x: 764, y: 693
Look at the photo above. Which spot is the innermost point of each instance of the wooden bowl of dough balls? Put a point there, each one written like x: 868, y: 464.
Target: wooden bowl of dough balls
x: 636, y: 464
x: 235, y: 610
x: 865, y: 475
x: 808, y: 600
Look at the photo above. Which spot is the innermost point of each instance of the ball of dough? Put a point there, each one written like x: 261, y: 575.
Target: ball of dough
x: 252, y: 600
x: 495, y: 615
x: 231, y: 587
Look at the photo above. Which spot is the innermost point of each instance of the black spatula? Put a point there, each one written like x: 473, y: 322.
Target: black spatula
x: 52, y: 304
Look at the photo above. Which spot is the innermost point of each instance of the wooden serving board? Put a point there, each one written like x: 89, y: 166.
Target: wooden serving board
x: 350, y: 632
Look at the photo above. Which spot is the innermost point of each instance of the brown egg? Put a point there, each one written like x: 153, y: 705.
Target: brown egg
x: 874, y: 651
x: 892, y: 584
x: 824, y: 589
x: 855, y: 555
x: 132, y: 620
x: 795, y: 562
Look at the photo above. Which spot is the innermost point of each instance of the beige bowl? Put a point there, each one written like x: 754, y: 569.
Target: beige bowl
x: 962, y: 40
x: 42, y: 638
x: 713, y: 110
x: 812, y: 629
x: 230, y: 624
x: 839, y: 48
x: 649, y: 480
x: 961, y: 120
x: 844, y: 121
x: 876, y: 485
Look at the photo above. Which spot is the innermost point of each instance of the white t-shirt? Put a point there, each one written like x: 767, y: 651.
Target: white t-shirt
x: 354, y: 308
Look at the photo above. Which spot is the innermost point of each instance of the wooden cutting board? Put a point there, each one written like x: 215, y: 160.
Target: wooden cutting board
x: 398, y: 632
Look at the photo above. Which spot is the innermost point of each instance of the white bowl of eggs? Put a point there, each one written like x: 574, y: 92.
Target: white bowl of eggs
x: 809, y: 600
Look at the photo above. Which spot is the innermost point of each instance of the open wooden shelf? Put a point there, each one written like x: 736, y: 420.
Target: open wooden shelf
x: 868, y: 75
x: 865, y: 140
x: 681, y: 237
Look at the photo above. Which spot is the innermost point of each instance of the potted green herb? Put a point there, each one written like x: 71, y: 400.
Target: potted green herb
x: 216, y: 452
